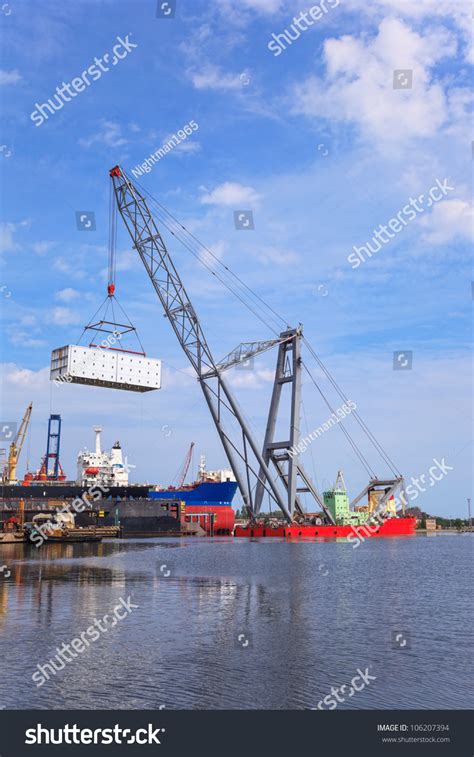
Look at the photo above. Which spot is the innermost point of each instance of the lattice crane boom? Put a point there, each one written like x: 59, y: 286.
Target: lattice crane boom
x: 16, y: 447
x: 240, y: 445
x: 186, y: 464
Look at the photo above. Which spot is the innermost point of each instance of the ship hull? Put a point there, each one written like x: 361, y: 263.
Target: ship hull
x: 219, y: 493
x: 215, y: 520
x: 208, y: 504
x: 60, y: 491
x: 391, y: 527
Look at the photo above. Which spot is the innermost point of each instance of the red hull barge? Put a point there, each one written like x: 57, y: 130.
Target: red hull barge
x: 391, y: 527
x: 216, y: 520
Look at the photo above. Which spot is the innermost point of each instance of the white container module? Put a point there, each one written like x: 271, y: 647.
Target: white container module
x: 105, y: 367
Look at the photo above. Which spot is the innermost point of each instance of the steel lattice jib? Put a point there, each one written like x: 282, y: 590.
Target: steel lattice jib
x: 114, y: 369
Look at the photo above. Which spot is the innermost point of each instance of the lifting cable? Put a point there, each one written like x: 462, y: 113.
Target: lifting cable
x: 112, y: 238
x: 192, y: 243
x: 356, y: 415
x: 349, y: 438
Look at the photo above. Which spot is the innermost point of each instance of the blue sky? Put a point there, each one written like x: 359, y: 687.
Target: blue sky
x: 318, y: 144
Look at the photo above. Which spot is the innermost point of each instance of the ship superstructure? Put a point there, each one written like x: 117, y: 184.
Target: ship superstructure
x: 100, y: 467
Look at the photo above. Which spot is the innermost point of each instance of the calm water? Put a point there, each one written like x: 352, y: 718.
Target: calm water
x: 308, y: 614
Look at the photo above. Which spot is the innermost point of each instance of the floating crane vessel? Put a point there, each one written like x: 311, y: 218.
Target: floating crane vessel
x: 273, y: 469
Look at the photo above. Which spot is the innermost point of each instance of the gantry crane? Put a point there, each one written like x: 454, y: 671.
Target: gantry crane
x: 51, y: 468
x: 16, y: 447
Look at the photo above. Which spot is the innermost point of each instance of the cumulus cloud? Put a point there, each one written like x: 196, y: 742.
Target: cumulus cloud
x: 9, y: 77
x: 217, y: 250
x: 41, y: 247
x: 449, y: 220
x: 109, y: 134
x: 24, y: 339
x: 250, y: 377
x: 213, y: 77
x: 231, y: 194
x: 241, y: 13
x: 358, y: 84
x: 188, y: 147
x: 67, y: 295
x: 7, y: 232
x: 422, y: 10
x: 276, y: 256
x: 64, y: 317
x: 17, y: 376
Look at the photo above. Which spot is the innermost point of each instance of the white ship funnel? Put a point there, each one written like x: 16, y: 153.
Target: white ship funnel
x: 98, y: 430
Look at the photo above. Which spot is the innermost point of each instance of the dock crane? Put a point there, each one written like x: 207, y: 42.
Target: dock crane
x: 276, y: 469
x: 16, y: 447
x: 185, y: 468
x: 256, y: 478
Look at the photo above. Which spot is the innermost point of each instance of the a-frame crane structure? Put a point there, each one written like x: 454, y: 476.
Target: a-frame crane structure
x: 275, y: 469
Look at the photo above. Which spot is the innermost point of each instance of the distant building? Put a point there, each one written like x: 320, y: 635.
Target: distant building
x: 430, y: 524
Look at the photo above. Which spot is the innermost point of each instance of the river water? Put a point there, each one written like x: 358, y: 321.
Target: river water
x: 236, y: 623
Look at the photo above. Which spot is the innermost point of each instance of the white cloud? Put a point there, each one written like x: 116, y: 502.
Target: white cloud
x: 125, y: 260
x: 7, y: 231
x: 263, y: 6
x: 231, y: 194
x: 433, y: 10
x: 64, y: 317
x: 41, y: 247
x: 241, y: 13
x: 64, y: 265
x: 213, y: 77
x: 251, y: 377
x: 358, y: 85
x: 188, y: 147
x: 67, y: 295
x: 7, y: 243
x: 276, y: 256
x: 17, y: 376
x: 449, y: 220
x: 23, y: 339
x: 28, y: 320
x: 9, y: 77
x: 217, y: 250
x: 109, y: 134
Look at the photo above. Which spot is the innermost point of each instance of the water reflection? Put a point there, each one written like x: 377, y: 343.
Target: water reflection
x: 223, y: 623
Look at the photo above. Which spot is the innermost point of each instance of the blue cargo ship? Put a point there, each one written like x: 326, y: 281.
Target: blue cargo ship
x: 201, y: 493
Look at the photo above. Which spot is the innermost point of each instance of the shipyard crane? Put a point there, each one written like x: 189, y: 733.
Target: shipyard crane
x: 51, y: 468
x: 275, y: 469
x: 186, y: 464
x: 16, y: 446
x: 256, y: 478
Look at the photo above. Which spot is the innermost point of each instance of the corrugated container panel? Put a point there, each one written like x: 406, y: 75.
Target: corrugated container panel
x: 101, y: 367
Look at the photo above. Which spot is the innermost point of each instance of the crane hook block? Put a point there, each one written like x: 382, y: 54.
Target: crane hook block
x: 110, y: 290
